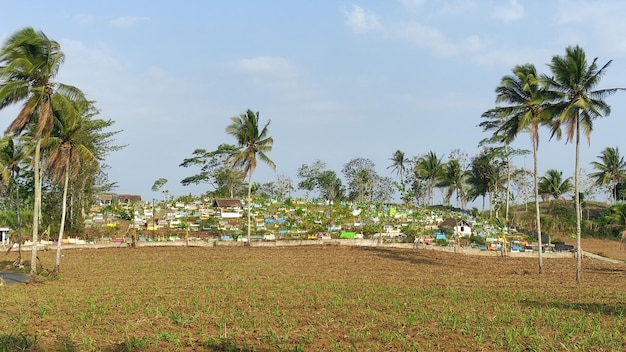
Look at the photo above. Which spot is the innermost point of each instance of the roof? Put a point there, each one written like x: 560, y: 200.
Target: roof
x: 227, y: 203
x: 449, y: 222
x: 128, y: 197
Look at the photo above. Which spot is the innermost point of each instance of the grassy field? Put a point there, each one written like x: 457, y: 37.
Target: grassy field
x: 312, y: 298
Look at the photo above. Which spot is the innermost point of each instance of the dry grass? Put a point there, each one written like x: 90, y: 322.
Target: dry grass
x: 311, y: 299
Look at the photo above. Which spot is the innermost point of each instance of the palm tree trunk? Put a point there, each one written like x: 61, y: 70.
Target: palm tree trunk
x: 57, y: 261
x: 508, y: 183
x: 249, y: 203
x: 579, y: 251
x: 537, y: 214
x: 36, y: 206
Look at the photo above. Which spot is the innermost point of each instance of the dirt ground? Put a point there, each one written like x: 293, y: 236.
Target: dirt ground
x: 313, y: 298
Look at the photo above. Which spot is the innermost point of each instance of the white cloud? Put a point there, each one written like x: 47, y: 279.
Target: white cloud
x: 427, y: 37
x: 510, y: 12
x: 362, y: 21
x: 587, y: 23
x: 127, y: 21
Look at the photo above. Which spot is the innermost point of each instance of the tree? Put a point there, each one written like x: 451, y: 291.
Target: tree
x: 611, y: 170
x: 158, y: 184
x: 216, y: 169
x: 577, y: 106
x: 484, y: 176
x: 29, y: 61
x: 309, y: 176
x: 12, y: 160
x: 360, y: 174
x: 429, y: 167
x: 452, y: 177
x: 253, y: 141
x: 554, y: 185
x: 398, y: 164
x: 284, y: 187
x: 66, y: 152
x: 525, y: 110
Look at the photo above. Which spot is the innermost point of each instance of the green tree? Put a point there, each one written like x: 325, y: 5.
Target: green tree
x: 309, y: 176
x: 484, y: 176
x: 12, y: 162
x: 525, y: 110
x: 430, y: 168
x: 611, y: 170
x: 66, y: 152
x: 253, y: 140
x: 216, y: 169
x: 553, y: 184
x: 360, y: 174
x: 398, y: 164
x: 579, y: 103
x: 29, y: 62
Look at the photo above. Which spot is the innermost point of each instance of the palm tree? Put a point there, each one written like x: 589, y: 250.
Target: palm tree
x: 253, y: 141
x: 483, y: 176
x: 67, y: 151
x: 611, y: 170
x: 554, y: 185
x: 525, y: 111
x: 576, y: 107
x: 429, y: 167
x: 453, y: 178
x: 29, y: 61
x: 398, y: 164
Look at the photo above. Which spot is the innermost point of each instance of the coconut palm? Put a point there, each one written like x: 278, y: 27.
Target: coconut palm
x: 66, y: 152
x: 611, y: 170
x: 553, y: 184
x: 398, y: 164
x: 429, y: 167
x: 452, y: 178
x: 574, y: 79
x: 253, y: 141
x: 29, y: 61
x: 525, y: 110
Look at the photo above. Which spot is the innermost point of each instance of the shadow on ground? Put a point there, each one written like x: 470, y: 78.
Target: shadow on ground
x: 402, y: 256
x: 14, y: 278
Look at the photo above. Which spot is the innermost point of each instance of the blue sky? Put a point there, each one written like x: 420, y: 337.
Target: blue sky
x: 338, y: 79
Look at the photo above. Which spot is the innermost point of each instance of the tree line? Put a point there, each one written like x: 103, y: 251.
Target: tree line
x: 52, y: 153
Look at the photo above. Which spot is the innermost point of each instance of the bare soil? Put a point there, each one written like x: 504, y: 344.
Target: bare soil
x: 314, y: 298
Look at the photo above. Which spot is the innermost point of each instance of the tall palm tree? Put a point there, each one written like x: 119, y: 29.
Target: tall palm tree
x: 253, y: 141
x: 577, y: 106
x: 525, y: 110
x: 429, y: 167
x: 66, y: 152
x: 611, y: 170
x: 554, y: 185
x: 29, y: 61
x: 398, y: 164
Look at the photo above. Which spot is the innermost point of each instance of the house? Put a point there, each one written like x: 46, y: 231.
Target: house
x: 228, y: 207
x: 461, y: 227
